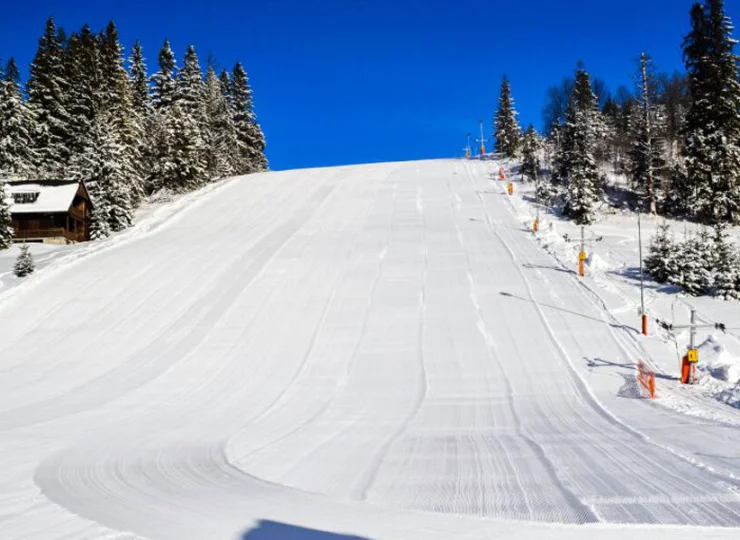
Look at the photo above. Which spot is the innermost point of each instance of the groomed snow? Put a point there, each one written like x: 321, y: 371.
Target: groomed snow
x: 377, y: 352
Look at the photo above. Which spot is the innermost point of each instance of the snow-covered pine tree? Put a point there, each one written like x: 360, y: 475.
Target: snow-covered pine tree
x: 531, y: 146
x: 138, y: 79
x: 48, y: 88
x: 189, y: 143
x: 645, y: 152
x: 164, y: 79
x: 507, y: 130
x: 583, y: 183
x: 675, y: 101
x: 163, y: 99
x: 557, y: 141
x: 24, y: 264
x: 661, y: 262
x: 117, y: 106
x: 110, y: 185
x: 727, y: 265
x: 550, y: 184
x: 144, y: 114
x: 695, y: 264
x: 220, y: 132
x: 6, y: 232
x: 17, y: 127
x: 249, y: 133
x: 713, y: 121
x: 83, y: 98
x: 186, y: 161
x: 225, y: 80
x: 680, y: 193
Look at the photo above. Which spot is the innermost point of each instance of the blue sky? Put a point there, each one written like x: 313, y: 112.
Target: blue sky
x: 355, y: 81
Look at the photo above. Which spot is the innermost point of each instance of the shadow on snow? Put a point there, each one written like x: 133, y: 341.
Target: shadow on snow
x: 272, y: 530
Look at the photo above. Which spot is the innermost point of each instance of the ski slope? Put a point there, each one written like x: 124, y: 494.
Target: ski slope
x: 370, y: 352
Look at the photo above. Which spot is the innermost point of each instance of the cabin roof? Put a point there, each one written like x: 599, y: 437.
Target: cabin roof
x: 29, y: 197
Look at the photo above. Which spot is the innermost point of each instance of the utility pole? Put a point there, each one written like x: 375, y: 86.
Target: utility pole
x: 536, y: 224
x: 650, y: 188
x: 468, y: 151
x: 582, y: 255
x: 642, y: 282
x: 482, y: 141
x: 691, y: 359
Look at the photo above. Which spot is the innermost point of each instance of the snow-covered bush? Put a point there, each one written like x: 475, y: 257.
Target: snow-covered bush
x: 24, y: 265
x: 700, y: 265
x: 727, y: 266
x: 695, y: 265
x: 661, y: 263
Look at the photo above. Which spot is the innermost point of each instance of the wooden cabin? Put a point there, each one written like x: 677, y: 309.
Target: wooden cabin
x: 52, y: 212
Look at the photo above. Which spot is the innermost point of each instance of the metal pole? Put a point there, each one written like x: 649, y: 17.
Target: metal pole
x: 642, y: 282
x: 582, y: 254
x: 482, y: 140
x: 537, y: 197
x: 692, y: 335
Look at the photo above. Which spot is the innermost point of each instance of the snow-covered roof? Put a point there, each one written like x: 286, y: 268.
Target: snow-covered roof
x: 40, y: 198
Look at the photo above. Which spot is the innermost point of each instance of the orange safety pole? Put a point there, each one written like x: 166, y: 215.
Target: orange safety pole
x: 536, y: 225
x: 511, y: 188
x: 644, y: 325
x: 581, y: 260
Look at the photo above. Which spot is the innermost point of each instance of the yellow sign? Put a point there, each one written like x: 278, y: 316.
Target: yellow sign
x: 693, y: 356
x: 582, y: 256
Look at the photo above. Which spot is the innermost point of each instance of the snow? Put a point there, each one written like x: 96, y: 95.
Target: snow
x: 717, y: 359
x: 51, y: 198
x: 378, y: 352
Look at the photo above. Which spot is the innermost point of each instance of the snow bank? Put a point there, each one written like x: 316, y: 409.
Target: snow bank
x: 718, y: 361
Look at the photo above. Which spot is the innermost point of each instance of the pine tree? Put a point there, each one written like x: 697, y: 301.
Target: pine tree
x: 249, y: 133
x: 507, y: 130
x: 713, y: 120
x: 186, y: 163
x: 531, y: 146
x: 110, y: 185
x: 84, y: 96
x: 6, y: 232
x: 225, y: 81
x: 164, y: 79
x: 221, y: 133
x: 727, y: 266
x: 24, y: 265
x: 161, y: 129
x: 583, y: 183
x: 680, y: 192
x: 696, y: 261
x: 190, y: 115
x: 661, y: 263
x: 144, y: 115
x: 17, y: 127
x: 47, y: 89
x: 139, y: 80
x: 118, y: 108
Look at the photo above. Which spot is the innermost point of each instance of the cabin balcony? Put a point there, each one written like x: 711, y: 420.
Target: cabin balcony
x: 48, y: 236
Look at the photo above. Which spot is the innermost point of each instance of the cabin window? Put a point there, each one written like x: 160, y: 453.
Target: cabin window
x: 25, y: 197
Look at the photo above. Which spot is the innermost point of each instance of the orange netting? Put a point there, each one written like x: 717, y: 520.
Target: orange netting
x: 646, y: 378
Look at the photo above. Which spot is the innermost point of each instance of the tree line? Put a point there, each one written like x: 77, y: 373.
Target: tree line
x: 675, y: 138
x: 88, y: 113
